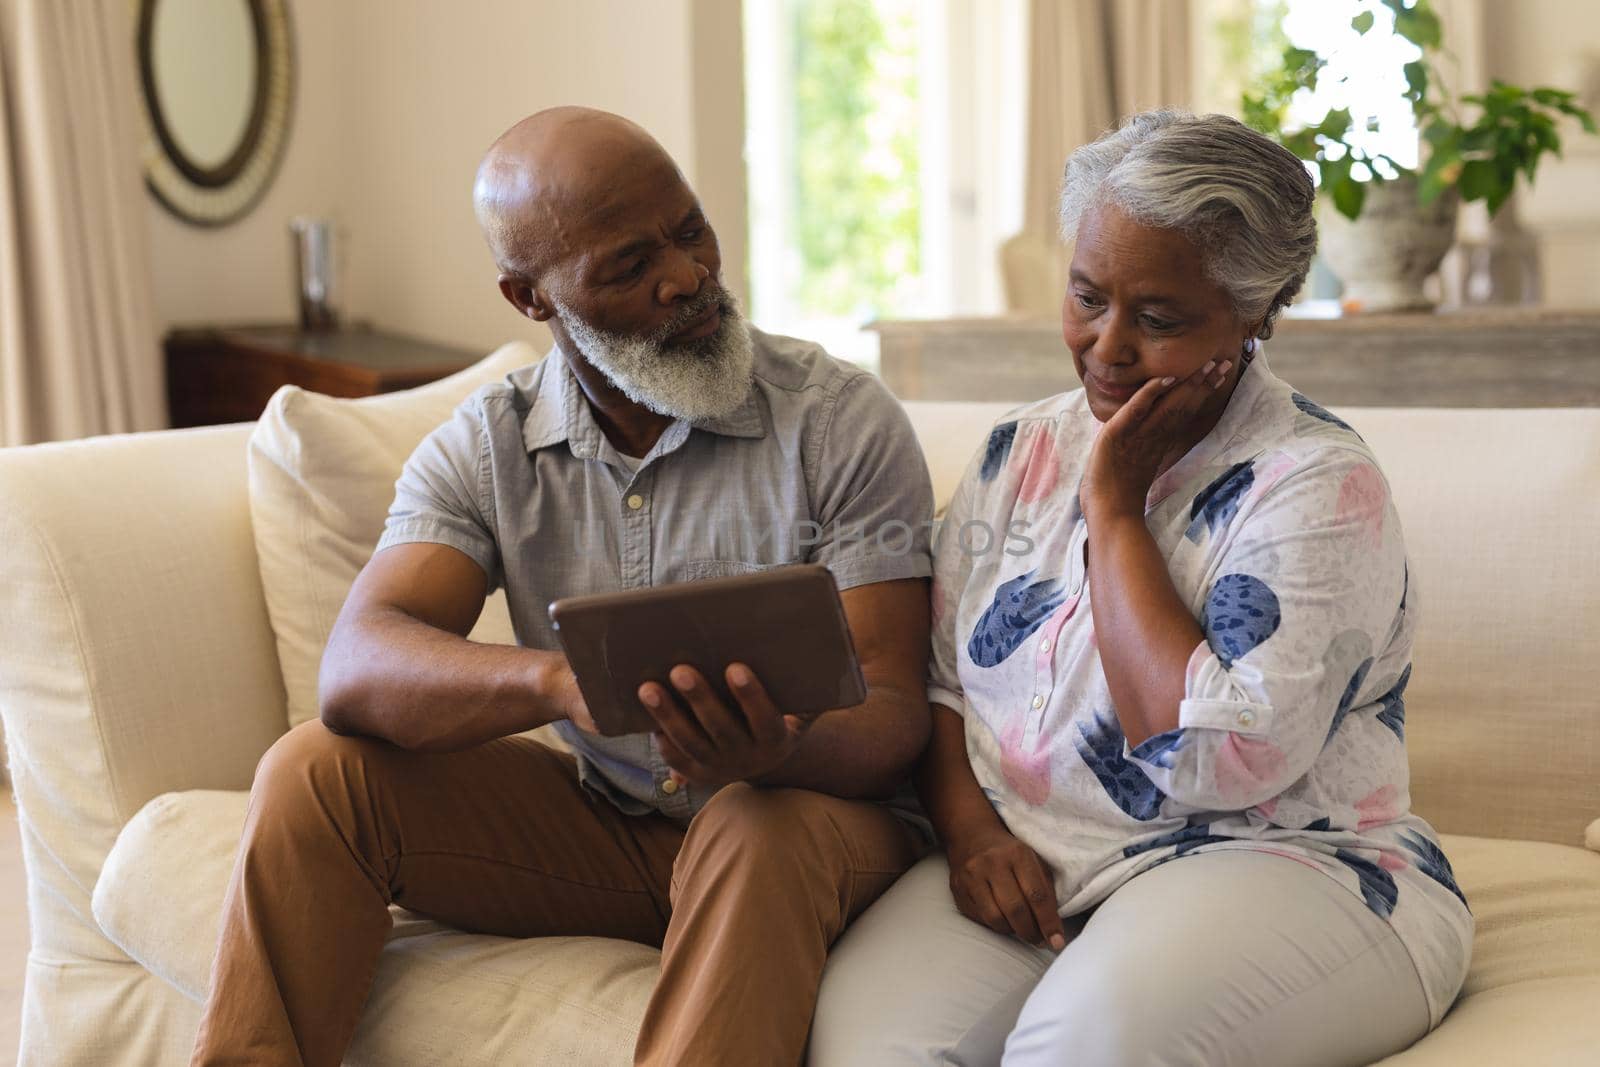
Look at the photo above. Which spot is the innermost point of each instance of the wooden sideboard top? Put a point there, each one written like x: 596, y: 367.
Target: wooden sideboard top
x: 354, y: 346
x: 1445, y: 321
x: 1477, y: 357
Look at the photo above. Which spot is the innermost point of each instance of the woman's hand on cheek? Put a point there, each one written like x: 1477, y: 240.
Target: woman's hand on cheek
x: 1128, y: 452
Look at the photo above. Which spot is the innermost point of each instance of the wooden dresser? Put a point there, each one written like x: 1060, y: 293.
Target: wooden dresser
x: 228, y: 373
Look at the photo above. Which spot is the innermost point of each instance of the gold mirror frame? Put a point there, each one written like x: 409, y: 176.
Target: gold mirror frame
x: 217, y: 195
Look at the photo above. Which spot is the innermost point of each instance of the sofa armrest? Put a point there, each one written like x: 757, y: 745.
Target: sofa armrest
x: 136, y: 656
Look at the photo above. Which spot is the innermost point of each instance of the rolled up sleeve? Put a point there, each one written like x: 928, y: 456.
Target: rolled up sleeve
x: 1304, y: 598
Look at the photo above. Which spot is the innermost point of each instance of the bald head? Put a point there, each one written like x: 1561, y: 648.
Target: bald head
x: 548, y: 175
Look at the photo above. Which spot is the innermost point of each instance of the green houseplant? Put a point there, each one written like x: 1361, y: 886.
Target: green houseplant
x: 1475, y: 147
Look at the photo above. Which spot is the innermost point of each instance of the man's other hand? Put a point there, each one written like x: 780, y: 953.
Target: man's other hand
x: 568, y: 699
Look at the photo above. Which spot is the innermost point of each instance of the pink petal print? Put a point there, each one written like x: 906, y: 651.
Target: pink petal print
x: 1361, y: 499
x: 1243, y: 765
x: 1269, y: 472
x: 1026, y: 772
x: 1041, y: 467
x: 1052, y: 629
x: 1391, y: 861
x: 1267, y: 807
x: 1378, y: 807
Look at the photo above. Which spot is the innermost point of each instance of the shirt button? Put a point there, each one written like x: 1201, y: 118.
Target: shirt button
x: 1247, y: 718
x: 1044, y: 646
x: 1038, y: 701
x: 669, y: 786
x: 636, y: 502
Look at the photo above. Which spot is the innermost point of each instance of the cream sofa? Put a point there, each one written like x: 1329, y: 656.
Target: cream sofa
x: 140, y: 681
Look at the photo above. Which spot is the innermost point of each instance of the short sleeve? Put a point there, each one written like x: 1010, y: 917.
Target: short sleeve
x: 872, y: 497
x: 442, y: 494
x: 952, y: 570
x: 1306, y: 599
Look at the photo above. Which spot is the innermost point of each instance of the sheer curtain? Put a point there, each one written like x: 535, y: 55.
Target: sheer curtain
x: 1092, y: 63
x: 78, y: 349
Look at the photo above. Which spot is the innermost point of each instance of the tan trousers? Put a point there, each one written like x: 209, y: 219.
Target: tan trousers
x: 501, y: 839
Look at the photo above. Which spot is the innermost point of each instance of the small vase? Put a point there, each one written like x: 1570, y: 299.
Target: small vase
x: 1391, y: 248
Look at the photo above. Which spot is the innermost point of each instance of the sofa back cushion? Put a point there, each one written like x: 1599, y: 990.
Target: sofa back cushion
x: 322, y: 474
x: 1501, y: 510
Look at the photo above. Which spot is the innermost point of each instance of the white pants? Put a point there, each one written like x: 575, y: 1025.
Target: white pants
x: 1213, y: 959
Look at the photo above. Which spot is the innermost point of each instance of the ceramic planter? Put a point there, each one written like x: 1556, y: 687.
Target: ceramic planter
x: 1385, y: 255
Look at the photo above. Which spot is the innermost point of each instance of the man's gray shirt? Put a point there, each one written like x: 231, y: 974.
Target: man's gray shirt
x: 818, y: 465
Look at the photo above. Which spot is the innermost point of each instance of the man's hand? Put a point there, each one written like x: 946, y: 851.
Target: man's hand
x: 707, y: 743
x: 1001, y: 883
x: 566, y: 699
x: 1160, y: 418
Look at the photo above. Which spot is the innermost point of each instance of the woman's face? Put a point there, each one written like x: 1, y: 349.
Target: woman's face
x: 1139, y: 306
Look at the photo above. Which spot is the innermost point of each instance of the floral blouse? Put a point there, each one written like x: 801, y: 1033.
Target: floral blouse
x: 1280, y: 535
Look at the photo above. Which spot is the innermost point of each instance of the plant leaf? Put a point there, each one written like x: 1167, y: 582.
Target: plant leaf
x: 1348, y: 196
x: 1477, y: 179
x: 1362, y: 22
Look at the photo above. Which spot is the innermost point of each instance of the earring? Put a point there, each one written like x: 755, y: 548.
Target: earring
x: 1248, y: 352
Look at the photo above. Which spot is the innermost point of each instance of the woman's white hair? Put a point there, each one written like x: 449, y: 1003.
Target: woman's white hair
x: 1244, y: 199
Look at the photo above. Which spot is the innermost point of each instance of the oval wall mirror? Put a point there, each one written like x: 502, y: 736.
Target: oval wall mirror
x: 218, y: 81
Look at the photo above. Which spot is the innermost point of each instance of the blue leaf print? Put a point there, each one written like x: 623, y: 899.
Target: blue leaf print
x: 1161, y: 749
x: 1240, y: 613
x: 1393, y: 712
x: 1017, y: 611
x: 1100, y: 745
x: 1219, y: 501
x: 997, y: 450
x: 1348, y: 698
x: 1185, y: 840
x: 1431, y: 862
x: 1317, y: 411
x: 1405, y: 585
x: 1377, y: 884
x: 1321, y: 825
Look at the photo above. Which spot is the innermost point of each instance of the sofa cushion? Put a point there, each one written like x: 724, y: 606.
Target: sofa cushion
x: 1535, y: 973
x: 322, y: 474
x: 440, y: 995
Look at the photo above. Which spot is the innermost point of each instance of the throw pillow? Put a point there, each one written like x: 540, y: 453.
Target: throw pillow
x: 322, y: 474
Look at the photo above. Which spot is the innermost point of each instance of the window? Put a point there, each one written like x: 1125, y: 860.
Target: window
x: 879, y: 186
x: 1244, y: 38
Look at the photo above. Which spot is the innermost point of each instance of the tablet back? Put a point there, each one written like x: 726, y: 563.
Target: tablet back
x: 787, y: 625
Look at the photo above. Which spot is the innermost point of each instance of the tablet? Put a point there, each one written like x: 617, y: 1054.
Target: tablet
x: 786, y: 624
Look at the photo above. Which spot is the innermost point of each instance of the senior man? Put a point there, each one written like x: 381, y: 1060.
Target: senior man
x: 663, y: 439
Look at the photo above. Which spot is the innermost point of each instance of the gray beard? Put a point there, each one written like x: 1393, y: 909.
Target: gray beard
x: 695, y: 380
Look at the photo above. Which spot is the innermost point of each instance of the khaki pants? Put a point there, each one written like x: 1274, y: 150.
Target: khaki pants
x: 501, y: 839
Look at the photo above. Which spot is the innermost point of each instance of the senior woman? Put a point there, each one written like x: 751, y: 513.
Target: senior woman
x: 1173, y: 630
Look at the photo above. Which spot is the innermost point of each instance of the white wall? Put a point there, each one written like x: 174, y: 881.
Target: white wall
x: 243, y: 272
x: 1557, y: 42
x: 398, y: 99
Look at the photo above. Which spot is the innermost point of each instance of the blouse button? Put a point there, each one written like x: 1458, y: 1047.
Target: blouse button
x: 1038, y: 701
x: 669, y: 786
x: 1247, y: 718
x: 635, y: 502
x: 1044, y: 646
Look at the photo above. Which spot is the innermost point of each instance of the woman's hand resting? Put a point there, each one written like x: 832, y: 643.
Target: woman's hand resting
x: 1003, y: 884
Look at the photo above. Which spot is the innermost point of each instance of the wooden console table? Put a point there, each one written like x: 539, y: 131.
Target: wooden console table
x: 227, y: 374
x: 1483, y: 357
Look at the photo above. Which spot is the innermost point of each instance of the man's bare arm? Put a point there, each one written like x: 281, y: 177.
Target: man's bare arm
x: 868, y: 750
x: 398, y: 665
